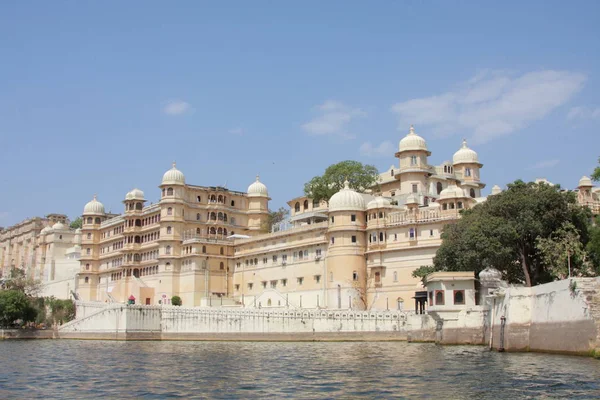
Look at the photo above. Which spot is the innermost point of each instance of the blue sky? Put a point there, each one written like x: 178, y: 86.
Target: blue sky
x: 101, y: 97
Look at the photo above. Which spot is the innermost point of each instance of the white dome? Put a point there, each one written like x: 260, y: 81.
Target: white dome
x: 585, y: 181
x: 135, y: 194
x: 346, y: 200
x: 173, y: 177
x: 465, y: 155
x: 378, y: 202
x: 490, y: 274
x: 496, y: 189
x: 412, y: 141
x: 93, y: 207
x: 45, y: 230
x: 452, y: 192
x: 58, y: 226
x: 257, y: 188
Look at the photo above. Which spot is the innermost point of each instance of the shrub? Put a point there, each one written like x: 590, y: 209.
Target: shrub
x: 176, y: 301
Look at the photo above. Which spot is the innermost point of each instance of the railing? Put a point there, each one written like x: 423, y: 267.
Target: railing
x: 406, y: 218
x: 269, y: 236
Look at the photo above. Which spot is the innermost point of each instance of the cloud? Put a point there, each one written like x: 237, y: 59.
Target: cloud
x: 177, y: 107
x: 545, y: 164
x: 491, y: 104
x: 580, y: 112
x: 236, y: 131
x: 384, y: 149
x: 333, y: 119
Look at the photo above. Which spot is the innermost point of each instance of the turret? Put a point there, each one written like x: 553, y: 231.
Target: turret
x: 466, y: 165
x: 258, y: 204
x: 414, y: 168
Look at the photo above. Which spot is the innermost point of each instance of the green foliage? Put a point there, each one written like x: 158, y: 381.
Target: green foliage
x: 176, y: 301
x: 561, y: 249
x: 15, y: 306
x: 593, y: 246
x: 360, y: 177
x: 503, y: 232
x: 18, y: 280
x: 77, y: 223
x: 422, y: 272
x: 274, y: 217
x: 62, y: 310
x: 596, y: 173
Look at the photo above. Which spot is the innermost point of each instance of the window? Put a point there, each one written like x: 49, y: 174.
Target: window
x: 221, y: 266
x: 400, y: 303
x: 232, y: 203
x: 459, y: 297
x: 170, y: 192
x: 460, y: 205
x: 297, y: 207
x: 198, y: 217
x: 275, y: 259
x: 332, y: 220
x: 413, y: 160
x: 395, y: 276
x: 89, y: 235
x: 300, y: 281
x: 170, y: 211
x: 318, y: 252
x: 414, y: 188
x: 265, y: 259
x: 380, y: 214
x: 444, y: 206
x: 472, y: 193
x: 381, y: 236
x: 354, y: 275
x: 439, y: 187
x: 411, y: 233
x: 353, y: 239
x: 377, y: 277
x: 204, y: 249
x: 89, y: 220
x: 222, y: 251
x: 199, y: 199
x: 392, y: 194
x: 467, y: 171
x: 169, y: 230
x: 431, y: 232
x: 305, y: 253
x: 250, y: 285
x: 264, y: 284
x: 305, y: 205
x: 87, y: 267
x: 431, y: 298
x: 331, y: 277
x: 315, y: 204
x: 237, y: 287
x: 332, y: 240
x: 439, y: 297
x: 353, y: 218
x: 317, y: 278
x: 87, y: 279
x: 88, y: 251
x: 273, y: 284
x: 168, y: 250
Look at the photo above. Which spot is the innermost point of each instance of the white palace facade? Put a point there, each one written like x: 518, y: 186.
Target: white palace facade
x: 207, y: 244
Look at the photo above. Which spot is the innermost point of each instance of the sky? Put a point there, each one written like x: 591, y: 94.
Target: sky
x: 101, y: 97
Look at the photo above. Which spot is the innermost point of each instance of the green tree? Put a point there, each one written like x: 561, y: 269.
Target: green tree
x: 593, y: 246
x: 77, y: 223
x: 422, y: 272
x: 503, y: 232
x: 596, y: 173
x: 563, y: 253
x: 18, y: 280
x: 360, y: 177
x: 62, y: 310
x: 14, y: 306
x: 176, y: 301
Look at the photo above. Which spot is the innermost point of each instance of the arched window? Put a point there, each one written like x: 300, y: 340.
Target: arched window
x: 220, y: 231
x: 197, y: 231
x: 220, y: 216
x: 88, y: 251
x: 400, y: 303
x: 169, y: 230
x: 224, y: 231
x: 90, y: 220
x: 163, y: 192
x: 232, y: 220
x: 439, y: 187
x: 87, y: 267
x: 460, y: 204
x: 232, y: 203
x: 89, y: 235
x: 225, y: 217
x: 439, y: 297
x: 97, y: 221
x: 413, y: 160
x: 444, y: 206
x: 204, y: 249
x: 395, y: 276
x: 168, y: 250
x: 459, y: 297
x: 297, y: 207
x: 138, y: 206
x: 170, y: 211
x: 170, y: 192
x: 198, y: 217
x: 381, y: 236
x: 467, y: 171
x: 220, y: 200
x: 87, y: 279
x: 472, y: 193
x: 305, y: 205
x: 221, y: 265
x: 213, y: 216
x: 213, y: 231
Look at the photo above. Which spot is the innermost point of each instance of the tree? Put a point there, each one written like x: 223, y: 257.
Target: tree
x: 77, y: 223
x: 176, y: 301
x: 360, y: 177
x: 18, y: 280
x: 422, y: 272
x: 273, y: 218
x: 593, y: 246
x: 596, y: 173
x: 14, y: 306
x: 503, y: 232
x: 563, y: 253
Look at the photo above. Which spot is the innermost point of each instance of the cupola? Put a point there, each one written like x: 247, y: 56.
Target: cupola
x: 465, y: 155
x: 378, y: 202
x: 94, y: 207
x: 412, y: 142
x: 585, y: 182
x: 346, y: 200
x: 257, y: 189
x: 173, y: 176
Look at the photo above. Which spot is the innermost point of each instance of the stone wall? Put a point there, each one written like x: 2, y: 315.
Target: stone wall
x: 562, y: 316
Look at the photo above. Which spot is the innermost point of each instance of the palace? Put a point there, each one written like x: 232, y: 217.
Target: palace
x: 208, y: 245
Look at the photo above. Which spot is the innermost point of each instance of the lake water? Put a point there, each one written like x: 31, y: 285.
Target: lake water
x: 95, y: 369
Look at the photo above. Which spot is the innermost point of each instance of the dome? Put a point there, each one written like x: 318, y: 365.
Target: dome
x: 378, y: 202
x: 496, y: 189
x: 585, y: 181
x: 346, y: 200
x: 93, y: 207
x: 412, y: 141
x: 257, y: 188
x: 490, y: 274
x: 173, y: 177
x: 45, y: 230
x: 465, y: 155
x: 135, y: 194
x: 452, y: 192
x: 58, y: 226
